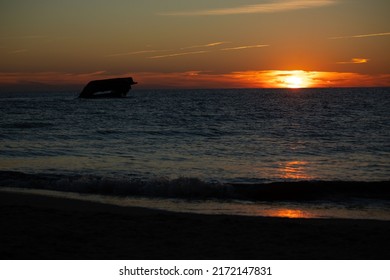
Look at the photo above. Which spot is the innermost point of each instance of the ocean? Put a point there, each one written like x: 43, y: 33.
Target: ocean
x: 201, y: 146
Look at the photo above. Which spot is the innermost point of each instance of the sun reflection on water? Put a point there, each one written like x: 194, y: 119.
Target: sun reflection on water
x: 294, y: 170
x: 259, y: 209
x: 287, y: 213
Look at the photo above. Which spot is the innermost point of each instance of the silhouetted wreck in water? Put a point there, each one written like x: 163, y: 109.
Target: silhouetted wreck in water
x: 109, y: 88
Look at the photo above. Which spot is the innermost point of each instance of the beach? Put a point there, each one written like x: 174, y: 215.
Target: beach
x: 42, y: 227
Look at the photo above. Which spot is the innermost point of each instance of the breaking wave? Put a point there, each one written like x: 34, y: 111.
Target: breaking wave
x: 193, y: 188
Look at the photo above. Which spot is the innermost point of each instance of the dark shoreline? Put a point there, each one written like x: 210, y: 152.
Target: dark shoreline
x: 41, y: 227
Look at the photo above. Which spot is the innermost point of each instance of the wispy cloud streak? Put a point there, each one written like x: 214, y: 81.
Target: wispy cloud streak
x: 205, y: 46
x: 206, y: 50
x: 177, y: 54
x: 361, y: 36
x: 135, y: 53
x: 191, y: 50
x: 355, y: 61
x: 271, y: 7
x: 210, y: 45
x: 244, y: 47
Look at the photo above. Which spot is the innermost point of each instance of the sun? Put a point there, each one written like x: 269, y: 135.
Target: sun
x: 294, y: 81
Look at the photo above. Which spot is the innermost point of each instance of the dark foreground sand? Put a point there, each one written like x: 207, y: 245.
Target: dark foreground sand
x: 39, y: 227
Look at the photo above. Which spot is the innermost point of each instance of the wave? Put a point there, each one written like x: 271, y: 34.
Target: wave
x: 194, y: 188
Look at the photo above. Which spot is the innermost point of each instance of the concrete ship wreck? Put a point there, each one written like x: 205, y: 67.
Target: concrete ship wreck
x: 108, y: 88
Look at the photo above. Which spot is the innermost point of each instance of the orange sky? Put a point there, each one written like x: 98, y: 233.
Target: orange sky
x: 199, y: 44
x: 194, y: 79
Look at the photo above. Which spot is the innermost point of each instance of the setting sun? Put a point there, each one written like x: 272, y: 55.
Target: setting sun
x: 296, y: 79
x: 294, y: 82
x: 288, y: 78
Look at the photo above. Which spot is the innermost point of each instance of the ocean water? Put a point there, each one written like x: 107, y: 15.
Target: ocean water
x: 217, y: 137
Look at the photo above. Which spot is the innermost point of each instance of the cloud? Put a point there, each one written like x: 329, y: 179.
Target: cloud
x: 355, y: 61
x: 257, y: 79
x: 190, y: 79
x: 135, y: 53
x: 177, y: 54
x: 205, y: 46
x: 271, y: 7
x: 361, y: 36
x: 91, y: 74
x: 206, y: 49
x: 244, y: 47
x: 209, y: 45
x: 197, y: 79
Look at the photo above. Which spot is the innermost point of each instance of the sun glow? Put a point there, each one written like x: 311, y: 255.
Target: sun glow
x: 296, y: 79
x: 289, y: 79
x: 294, y: 82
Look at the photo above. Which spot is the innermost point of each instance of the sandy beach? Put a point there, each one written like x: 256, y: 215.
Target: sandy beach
x: 41, y: 227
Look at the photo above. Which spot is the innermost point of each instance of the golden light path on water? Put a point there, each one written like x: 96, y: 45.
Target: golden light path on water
x: 294, y: 170
x: 235, y: 207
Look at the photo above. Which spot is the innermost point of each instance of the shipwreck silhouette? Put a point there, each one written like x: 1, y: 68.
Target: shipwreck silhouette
x: 108, y: 88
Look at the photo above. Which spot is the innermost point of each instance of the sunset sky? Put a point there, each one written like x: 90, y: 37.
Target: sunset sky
x: 196, y: 44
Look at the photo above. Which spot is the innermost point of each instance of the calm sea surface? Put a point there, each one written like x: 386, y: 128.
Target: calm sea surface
x: 228, y: 136
x: 245, y: 136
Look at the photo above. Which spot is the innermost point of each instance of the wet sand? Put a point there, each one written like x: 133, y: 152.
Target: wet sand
x: 41, y: 227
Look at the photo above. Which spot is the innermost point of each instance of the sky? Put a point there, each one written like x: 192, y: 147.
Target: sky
x: 195, y: 44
